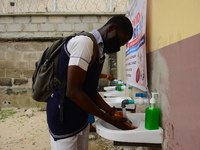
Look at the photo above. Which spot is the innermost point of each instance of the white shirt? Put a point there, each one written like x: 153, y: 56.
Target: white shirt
x: 81, y: 49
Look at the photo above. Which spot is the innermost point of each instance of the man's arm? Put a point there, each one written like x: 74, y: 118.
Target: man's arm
x: 106, y: 76
x: 75, y: 80
x: 103, y: 105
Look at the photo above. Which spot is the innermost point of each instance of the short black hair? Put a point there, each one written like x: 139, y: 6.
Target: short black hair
x: 123, y: 24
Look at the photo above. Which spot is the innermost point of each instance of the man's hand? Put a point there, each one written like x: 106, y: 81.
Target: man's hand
x: 121, y: 123
x: 126, y: 124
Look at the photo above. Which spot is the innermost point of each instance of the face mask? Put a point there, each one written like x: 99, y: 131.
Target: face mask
x: 111, y: 45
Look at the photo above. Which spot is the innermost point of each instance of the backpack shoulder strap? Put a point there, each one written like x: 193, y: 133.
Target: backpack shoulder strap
x: 56, y: 46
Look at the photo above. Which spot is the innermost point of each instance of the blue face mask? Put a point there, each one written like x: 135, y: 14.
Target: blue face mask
x: 112, y: 45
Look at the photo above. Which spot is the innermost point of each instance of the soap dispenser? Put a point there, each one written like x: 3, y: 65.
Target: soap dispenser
x: 152, y: 115
x: 119, y: 85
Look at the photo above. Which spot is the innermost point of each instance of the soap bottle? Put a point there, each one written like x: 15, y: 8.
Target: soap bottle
x: 115, y: 81
x: 152, y: 115
x: 119, y: 86
x: 126, y: 86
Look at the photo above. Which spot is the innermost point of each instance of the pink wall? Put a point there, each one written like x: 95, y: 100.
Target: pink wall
x: 174, y: 72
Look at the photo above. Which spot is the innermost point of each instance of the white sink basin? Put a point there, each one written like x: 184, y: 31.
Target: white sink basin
x: 116, y: 101
x: 139, y: 135
x: 109, y: 88
x: 114, y: 94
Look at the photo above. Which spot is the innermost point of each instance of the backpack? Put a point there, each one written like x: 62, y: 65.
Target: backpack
x: 44, y: 79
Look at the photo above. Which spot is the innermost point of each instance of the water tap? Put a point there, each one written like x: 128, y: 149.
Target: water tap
x: 141, y: 100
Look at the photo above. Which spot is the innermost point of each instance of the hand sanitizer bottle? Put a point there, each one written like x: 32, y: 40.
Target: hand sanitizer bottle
x: 152, y: 115
x: 119, y: 85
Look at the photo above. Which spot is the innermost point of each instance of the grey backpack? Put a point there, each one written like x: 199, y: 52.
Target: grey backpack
x: 44, y: 79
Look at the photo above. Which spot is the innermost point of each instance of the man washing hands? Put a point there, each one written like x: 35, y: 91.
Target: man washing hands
x: 81, y: 95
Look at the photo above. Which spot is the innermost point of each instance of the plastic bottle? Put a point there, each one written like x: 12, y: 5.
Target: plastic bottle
x: 152, y: 115
x: 126, y: 86
x: 115, y: 81
x: 123, y: 87
x: 119, y: 85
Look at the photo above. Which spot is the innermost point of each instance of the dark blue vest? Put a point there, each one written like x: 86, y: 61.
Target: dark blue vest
x: 75, y: 119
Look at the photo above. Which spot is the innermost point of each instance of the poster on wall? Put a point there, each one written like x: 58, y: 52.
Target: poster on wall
x: 136, y: 71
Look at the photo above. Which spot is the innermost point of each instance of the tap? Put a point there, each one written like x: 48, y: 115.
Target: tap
x: 126, y: 102
x: 141, y: 100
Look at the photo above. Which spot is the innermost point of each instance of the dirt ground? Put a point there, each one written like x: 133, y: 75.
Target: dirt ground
x: 26, y: 129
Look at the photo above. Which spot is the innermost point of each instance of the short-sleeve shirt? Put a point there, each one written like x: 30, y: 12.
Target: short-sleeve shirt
x: 81, y: 49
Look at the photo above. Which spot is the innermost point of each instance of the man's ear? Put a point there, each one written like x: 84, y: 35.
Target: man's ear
x: 112, y: 27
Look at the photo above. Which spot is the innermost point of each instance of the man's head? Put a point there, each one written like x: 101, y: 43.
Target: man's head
x: 115, y: 33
